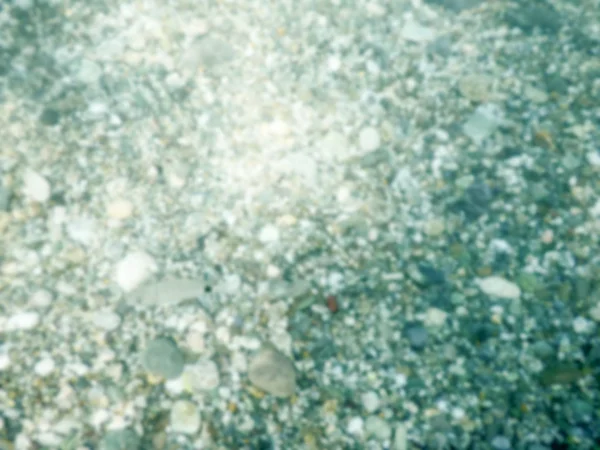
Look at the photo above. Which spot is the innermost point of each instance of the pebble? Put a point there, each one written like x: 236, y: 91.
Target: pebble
x: 123, y: 439
x: 595, y: 312
x: 201, y: 376
x: 5, y: 198
x: 400, y: 437
x: 185, y: 417
x: 133, y: 270
x: 162, y: 357
x: 417, y: 336
x: 49, y: 117
x: 23, y: 321
x: 495, y: 286
x: 269, y: 234
x: 168, y: 292
x: 370, y: 401
x: 107, y: 320
x: 36, y: 187
x: 435, y: 317
x: 369, y: 139
x: 335, y: 145
x: 483, y: 122
x: 378, y: 428
x: 4, y: 362
x: 119, y: 209
x: 415, y: 32
x: 581, y: 325
x: 273, y: 372
x: 501, y: 443
x: 44, y: 367
x: 356, y: 426
x: 82, y: 231
x: 40, y: 298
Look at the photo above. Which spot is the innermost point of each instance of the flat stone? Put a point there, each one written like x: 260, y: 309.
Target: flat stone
x: 273, y: 372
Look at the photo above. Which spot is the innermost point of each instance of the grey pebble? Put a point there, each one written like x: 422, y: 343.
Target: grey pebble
x: 124, y: 439
x: 417, y: 336
x: 501, y: 443
x: 5, y: 198
x: 162, y: 357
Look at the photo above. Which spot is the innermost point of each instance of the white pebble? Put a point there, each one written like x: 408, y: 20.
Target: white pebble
x: 378, y: 428
x: 356, y: 426
x: 119, y: 209
x: 435, y: 317
x: 582, y: 325
x: 499, y: 287
x: 44, y: 367
x: 107, y: 320
x: 269, y: 234
x: 4, y: 361
x: 133, y: 270
x: 195, y: 341
x: 595, y: 312
x: 370, y: 401
x: 369, y: 139
x: 202, y: 376
x: 334, y: 63
x: 82, y: 230
x: 185, y: 417
x: 35, y: 186
x: 273, y: 372
x: 40, y: 298
x: 23, y: 321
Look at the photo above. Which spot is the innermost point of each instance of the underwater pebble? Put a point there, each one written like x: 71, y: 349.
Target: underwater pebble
x: 369, y: 139
x: 133, y: 270
x: 499, y: 287
x: 35, y: 186
x: 201, y: 376
x: 185, y: 417
x: 23, y: 321
x: 162, y: 357
x: 273, y: 372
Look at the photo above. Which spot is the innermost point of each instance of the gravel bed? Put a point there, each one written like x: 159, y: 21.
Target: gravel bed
x: 344, y: 224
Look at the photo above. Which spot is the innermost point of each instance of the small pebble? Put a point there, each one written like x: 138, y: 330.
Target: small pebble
x: 435, y: 317
x: 36, y: 187
x: 123, y: 439
x: 106, y: 320
x: 133, y: 270
x: 499, y: 287
x: 356, y: 426
x: 370, y: 401
x: 417, y: 336
x: 185, y: 417
x: 49, y: 117
x: 4, y: 362
x: 501, y: 443
x: 378, y: 428
x: 581, y: 325
x: 162, y: 357
x: 119, y: 209
x: 40, y: 299
x: 269, y: 234
x: 202, y: 376
x: 23, y: 321
x: 369, y: 139
x: 273, y: 372
x: 44, y: 367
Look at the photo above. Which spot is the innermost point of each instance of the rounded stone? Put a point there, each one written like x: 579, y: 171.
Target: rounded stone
x: 273, y: 372
x: 123, y: 439
x: 162, y: 357
x: 369, y: 139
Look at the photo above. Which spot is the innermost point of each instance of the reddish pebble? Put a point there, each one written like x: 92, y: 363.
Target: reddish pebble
x: 332, y: 303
